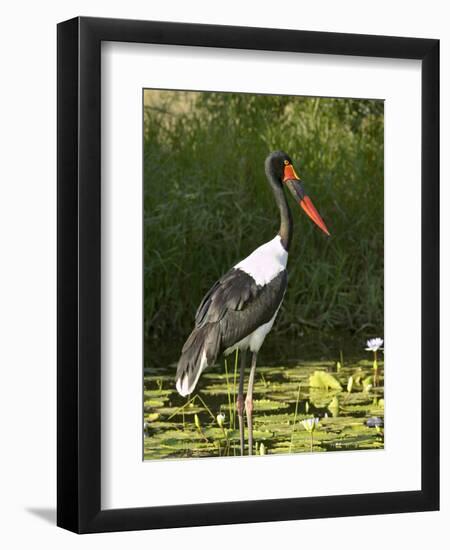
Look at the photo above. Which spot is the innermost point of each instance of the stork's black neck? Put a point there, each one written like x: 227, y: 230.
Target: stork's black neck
x: 286, y: 223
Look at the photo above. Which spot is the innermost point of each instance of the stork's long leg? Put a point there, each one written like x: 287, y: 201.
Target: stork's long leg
x: 240, y: 401
x: 249, y: 404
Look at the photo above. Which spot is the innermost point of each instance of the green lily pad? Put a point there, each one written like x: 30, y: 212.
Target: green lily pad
x: 324, y: 381
x: 157, y: 394
x: 176, y: 411
x: 278, y: 411
x: 217, y: 389
x: 153, y: 403
x: 268, y: 405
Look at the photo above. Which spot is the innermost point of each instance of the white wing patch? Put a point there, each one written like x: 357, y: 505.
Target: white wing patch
x: 266, y: 262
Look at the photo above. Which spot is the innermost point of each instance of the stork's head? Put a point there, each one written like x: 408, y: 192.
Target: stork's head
x: 279, y: 169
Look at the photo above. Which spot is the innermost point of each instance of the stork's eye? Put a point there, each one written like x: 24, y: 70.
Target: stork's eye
x: 286, y: 162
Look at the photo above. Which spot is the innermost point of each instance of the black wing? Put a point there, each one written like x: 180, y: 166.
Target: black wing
x: 239, y: 305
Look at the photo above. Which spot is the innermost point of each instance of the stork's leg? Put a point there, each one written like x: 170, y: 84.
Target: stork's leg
x: 240, y: 401
x: 249, y: 404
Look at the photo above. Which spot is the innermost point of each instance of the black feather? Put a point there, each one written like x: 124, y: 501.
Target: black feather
x: 233, y: 308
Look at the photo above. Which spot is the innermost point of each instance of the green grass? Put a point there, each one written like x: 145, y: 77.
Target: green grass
x: 207, y: 205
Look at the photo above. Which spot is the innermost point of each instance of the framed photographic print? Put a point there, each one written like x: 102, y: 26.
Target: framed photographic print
x: 248, y: 307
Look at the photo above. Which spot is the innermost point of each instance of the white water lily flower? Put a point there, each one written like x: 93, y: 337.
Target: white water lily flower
x: 374, y: 344
x: 310, y: 424
x: 220, y: 420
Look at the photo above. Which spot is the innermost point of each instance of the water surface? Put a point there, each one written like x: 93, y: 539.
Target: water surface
x: 347, y: 400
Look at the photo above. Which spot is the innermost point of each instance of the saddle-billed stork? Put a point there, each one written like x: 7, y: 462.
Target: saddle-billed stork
x: 239, y: 310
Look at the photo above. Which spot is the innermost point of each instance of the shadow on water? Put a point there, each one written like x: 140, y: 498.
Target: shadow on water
x: 307, y: 383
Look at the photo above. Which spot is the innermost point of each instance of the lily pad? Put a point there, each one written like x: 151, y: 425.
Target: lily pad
x: 177, y: 411
x: 153, y: 403
x: 268, y: 405
x: 157, y: 394
x: 324, y: 380
x: 278, y: 411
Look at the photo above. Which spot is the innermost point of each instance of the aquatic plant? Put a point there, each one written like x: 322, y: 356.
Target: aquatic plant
x: 374, y: 422
x: 375, y: 345
x: 295, y: 414
x: 220, y: 420
x: 283, y: 400
x: 310, y: 425
x: 333, y: 406
x: 350, y: 384
x: 197, y: 422
x: 324, y: 380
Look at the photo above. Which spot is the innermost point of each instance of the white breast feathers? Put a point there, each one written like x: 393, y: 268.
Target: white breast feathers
x: 266, y: 262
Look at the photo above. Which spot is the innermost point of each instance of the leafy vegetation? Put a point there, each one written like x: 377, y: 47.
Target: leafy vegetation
x: 207, y: 205
x: 287, y: 400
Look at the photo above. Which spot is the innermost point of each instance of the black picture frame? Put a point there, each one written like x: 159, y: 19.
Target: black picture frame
x: 79, y: 275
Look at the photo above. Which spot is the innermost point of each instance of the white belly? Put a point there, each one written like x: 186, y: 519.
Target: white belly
x: 263, y: 265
